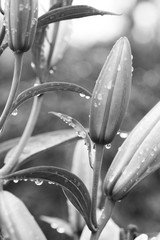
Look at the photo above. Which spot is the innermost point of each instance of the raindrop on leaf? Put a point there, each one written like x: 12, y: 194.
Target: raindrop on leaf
x: 108, y: 146
x: 38, y: 182
x: 14, y: 113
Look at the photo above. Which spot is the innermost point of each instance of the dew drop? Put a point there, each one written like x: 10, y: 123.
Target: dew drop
x: 95, y: 105
x: 38, y: 182
x: 14, y: 113
x: 99, y: 97
x: 118, y: 133
x: 108, y: 146
x: 33, y: 65
x: 119, y: 68
x: 81, y: 134
x: 54, y: 225
x: 87, y: 97
x: 152, y: 154
x: 82, y: 95
x: 143, y: 160
x: 109, y: 85
x: 60, y: 230
x: 123, y: 134
x: 49, y: 182
x: 25, y: 179
x: 132, y: 69
x: 15, y: 180
x: 36, y: 84
x: 51, y: 71
x: 131, y: 57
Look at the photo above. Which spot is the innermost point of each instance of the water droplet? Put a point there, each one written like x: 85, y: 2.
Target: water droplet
x: 119, y: 149
x: 123, y: 134
x: 38, y: 182
x: 81, y: 134
x: 54, y: 225
x: 99, y: 97
x: 132, y: 69
x: 49, y: 182
x: 60, y: 230
x: 87, y: 97
x: 25, y: 179
x: 14, y: 113
x: 51, y: 71
x: 131, y: 57
x: 108, y: 146
x: 33, y: 65
x: 119, y: 131
x: 109, y: 85
x: 95, y: 105
x: 4, y: 181
x: 15, y: 180
x: 36, y: 84
x: 143, y: 160
x: 82, y: 95
x: 119, y: 68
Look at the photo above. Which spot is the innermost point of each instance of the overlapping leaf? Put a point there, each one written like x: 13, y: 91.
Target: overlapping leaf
x: 37, y: 144
x: 48, y: 87
x: 80, y: 131
x: 65, y: 179
x: 69, y: 12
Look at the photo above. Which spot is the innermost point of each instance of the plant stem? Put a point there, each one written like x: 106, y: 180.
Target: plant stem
x: 105, y: 216
x: 11, y: 163
x: 96, y: 176
x: 2, y: 34
x: 14, y: 87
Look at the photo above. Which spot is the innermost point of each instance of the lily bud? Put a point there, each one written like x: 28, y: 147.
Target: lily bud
x: 137, y: 157
x: 111, y: 94
x: 21, y: 21
x: 16, y: 221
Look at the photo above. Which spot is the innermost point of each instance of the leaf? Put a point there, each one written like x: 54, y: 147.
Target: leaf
x: 65, y: 179
x: 38, y: 144
x: 80, y: 131
x: 58, y: 224
x: 69, y: 12
x: 48, y: 87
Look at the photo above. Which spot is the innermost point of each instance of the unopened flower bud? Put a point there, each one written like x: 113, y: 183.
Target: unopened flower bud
x: 16, y: 221
x: 137, y: 157
x: 21, y: 21
x: 111, y: 94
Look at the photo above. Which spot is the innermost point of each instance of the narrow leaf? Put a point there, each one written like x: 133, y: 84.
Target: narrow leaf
x: 69, y: 12
x: 80, y: 131
x: 58, y: 224
x: 48, y: 87
x: 63, y: 178
x: 39, y: 143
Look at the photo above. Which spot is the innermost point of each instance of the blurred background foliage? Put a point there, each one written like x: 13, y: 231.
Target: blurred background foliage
x: 88, y: 46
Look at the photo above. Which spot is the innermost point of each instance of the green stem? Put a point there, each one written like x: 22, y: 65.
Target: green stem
x: 96, y: 176
x: 105, y: 216
x: 11, y: 163
x: 2, y: 34
x: 14, y: 87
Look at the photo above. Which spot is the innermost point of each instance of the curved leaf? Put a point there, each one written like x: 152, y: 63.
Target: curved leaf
x: 69, y: 12
x: 65, y: 179
x: 80, y: 131
x: 38, y: 144
x: 48, y: 87
x: 58, y: 224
